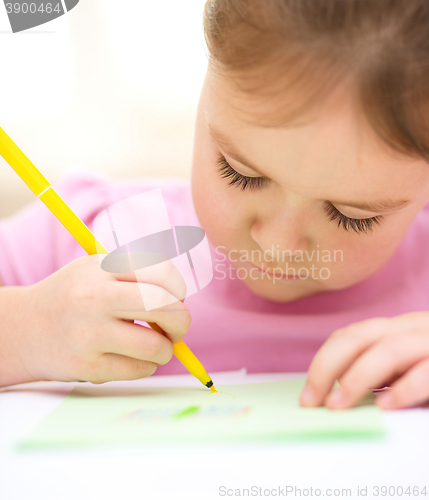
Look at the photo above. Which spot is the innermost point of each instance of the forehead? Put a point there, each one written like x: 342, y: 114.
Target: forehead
x: 329, y: 150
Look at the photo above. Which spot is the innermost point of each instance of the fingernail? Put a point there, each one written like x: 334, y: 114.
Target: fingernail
x: 335, y: 398
x: 307, y: 395
x: 384, y: 400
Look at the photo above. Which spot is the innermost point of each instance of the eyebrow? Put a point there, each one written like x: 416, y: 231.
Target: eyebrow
x: 374, y: 206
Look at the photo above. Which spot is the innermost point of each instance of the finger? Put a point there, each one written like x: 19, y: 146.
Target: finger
x: 164, y: 274
x: 137, y: 342
x: 410, y: 390
x: 125, y: 296
x: 387, y: 383
x: 116, y: 367
x: 174, y: 321
x: 336, y: 355
x: 126, y: 300
x: 174, y: 318
x: 391, y: 356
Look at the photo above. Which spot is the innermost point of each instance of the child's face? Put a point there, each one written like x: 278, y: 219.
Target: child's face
x: 331, y: 160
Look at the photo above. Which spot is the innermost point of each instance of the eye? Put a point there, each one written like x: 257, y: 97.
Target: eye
x: 236, y: 179
x: 358, y: 225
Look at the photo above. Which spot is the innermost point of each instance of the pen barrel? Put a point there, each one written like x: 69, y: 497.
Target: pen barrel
x: 72, y: 222
x: 190, y: 362
x: 22, y: 165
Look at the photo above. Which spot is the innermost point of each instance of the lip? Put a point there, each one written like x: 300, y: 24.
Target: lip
x: 294, y: 276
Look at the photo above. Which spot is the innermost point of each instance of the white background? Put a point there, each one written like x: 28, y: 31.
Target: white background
x: 111, y: 86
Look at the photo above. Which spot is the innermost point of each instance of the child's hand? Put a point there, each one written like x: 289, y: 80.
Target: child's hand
x: 369, y: 355
x: 77, y: 325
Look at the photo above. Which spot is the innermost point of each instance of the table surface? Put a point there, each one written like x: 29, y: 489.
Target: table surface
x: 400, y: 459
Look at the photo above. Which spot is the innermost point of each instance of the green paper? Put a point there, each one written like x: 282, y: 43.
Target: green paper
x: 105, y: 415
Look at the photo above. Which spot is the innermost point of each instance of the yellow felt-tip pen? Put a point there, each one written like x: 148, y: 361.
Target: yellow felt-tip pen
x: 42, y: 188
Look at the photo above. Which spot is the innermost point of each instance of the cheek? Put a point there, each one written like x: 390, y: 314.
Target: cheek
x: 214, y: 202
x: 206, y: 203
x: 362, y: 255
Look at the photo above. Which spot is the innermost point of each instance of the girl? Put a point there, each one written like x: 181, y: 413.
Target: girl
x: 310, y: 177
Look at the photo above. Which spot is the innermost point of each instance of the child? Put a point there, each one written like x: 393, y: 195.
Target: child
x: 310, y: 178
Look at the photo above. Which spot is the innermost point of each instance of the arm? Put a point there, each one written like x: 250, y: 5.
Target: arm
x: 12, y: 371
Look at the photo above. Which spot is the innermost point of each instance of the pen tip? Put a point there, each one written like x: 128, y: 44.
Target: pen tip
x: 210, y: 385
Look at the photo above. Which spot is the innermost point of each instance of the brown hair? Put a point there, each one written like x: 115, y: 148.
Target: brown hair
x: 270, y: 46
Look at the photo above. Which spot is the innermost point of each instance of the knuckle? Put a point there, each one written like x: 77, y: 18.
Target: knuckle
x: 87, y: 265
x: 376, y: 324
x: 184, y: 320
x: 168, y: 267
x: 180, y: 289
x: 92, y: 261
x: 165, y: 269
x: 181, y: 320
x: 82, y: 294
x: 160, y: 296
x: 344, y: 332
x: 173, y: 278
x: 155, y: 298
x: 368, y: 326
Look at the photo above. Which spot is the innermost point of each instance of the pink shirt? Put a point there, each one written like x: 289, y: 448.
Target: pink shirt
x: 231, y: 327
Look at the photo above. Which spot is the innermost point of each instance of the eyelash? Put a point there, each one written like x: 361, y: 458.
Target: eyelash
x: 358, y: 225
x: 239, y: 180
x: 253, y: 183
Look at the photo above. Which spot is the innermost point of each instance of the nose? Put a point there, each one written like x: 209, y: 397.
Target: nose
x: 284, y: 233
